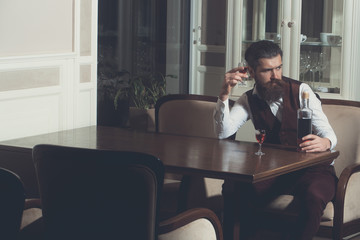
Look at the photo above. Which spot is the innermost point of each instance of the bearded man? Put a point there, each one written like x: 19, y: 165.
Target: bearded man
x: 272, y: 105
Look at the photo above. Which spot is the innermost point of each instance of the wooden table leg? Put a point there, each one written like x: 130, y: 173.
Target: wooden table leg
x: 231, y: 224
x: 236, y: 230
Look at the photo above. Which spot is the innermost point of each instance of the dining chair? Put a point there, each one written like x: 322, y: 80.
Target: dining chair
x: 190, y: 115
x: 195, y: 223
x: 88, y: 194
x: 31, y: 222
x: 12, y: 197
x: 104, y: 194
x: 341, y: 217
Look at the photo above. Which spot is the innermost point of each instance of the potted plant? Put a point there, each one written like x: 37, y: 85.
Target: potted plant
x: 142, y: 92
x: 109, y: 80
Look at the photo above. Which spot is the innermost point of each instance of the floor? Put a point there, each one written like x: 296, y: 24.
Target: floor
x: 356, y: 237
x: 273, y: 236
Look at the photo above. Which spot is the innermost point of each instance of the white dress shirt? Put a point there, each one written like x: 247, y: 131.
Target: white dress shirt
x: 227, y: 122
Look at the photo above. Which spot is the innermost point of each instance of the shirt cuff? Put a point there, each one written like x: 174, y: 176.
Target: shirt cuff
x: 222, y: 105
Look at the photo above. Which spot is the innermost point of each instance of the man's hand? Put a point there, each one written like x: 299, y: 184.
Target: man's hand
x: 314, y: 143
x: 232, y: 77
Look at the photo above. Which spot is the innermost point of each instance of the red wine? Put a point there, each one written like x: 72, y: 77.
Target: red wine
x: 304, y: 128
x: 243, y: 70
x: 260, y: 137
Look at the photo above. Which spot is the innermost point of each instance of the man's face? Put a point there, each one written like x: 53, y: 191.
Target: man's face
x: 268, y: 78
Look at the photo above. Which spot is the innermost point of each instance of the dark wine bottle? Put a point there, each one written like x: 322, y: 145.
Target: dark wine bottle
x: 304, y: 116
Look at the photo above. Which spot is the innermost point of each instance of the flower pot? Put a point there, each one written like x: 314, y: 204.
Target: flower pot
x: 142, y: 119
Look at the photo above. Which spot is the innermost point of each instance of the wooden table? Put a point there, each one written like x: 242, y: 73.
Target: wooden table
x: 223, y: 159
x: 180, y: 154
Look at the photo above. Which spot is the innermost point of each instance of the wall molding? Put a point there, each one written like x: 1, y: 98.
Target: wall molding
x: 69, y: 104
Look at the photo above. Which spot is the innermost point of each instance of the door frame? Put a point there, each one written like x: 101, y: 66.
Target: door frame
x: 196, y: 70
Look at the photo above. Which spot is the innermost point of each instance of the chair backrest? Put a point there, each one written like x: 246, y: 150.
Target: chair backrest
x: 186, y: 114
x: 12, y: 199
x: 344, y: 117
x: 191, y: 115
x: 98, y: 194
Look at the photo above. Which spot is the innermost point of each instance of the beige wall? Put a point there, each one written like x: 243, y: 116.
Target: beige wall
x: 48, y: 60
x: 36, y: 27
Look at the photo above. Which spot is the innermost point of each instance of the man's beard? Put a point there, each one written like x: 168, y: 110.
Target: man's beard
x: 271, y: 91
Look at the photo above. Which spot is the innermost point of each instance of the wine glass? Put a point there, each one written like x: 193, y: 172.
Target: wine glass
x: 304, y: 65
x: 244, y: 64
x: 260, y: 137
x: 323, y: 63
x: 314, y: 67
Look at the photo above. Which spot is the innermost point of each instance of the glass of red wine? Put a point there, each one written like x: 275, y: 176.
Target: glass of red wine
x: 244, y: 65
x: 260, y: 137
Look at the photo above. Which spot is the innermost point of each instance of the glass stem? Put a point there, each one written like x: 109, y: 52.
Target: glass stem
x: 259, y: 147
x: 312, y: 80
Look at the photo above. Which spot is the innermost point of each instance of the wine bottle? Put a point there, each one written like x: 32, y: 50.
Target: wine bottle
x: 304, y: 116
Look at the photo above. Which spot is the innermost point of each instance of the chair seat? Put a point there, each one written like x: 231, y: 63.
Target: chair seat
x: 201, y: 229
x: 286, y: 204
x: 29, y: 216
x: 196, y: 223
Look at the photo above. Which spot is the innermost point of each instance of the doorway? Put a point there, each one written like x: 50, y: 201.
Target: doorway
x: 140, y: 37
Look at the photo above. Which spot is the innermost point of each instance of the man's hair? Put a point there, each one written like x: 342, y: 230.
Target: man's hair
x: 261, y: 49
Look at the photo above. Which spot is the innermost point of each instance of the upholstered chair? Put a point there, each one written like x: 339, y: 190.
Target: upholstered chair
x: 12, y: 197
x: 103, y: 194
x: 189, y: 115
x: 341, y: 217
x: 195, y: 223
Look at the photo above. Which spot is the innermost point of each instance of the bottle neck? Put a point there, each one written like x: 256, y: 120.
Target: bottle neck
x: 305, y: 103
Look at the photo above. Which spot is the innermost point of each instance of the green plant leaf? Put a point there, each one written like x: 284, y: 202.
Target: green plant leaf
x: 144, y: 90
